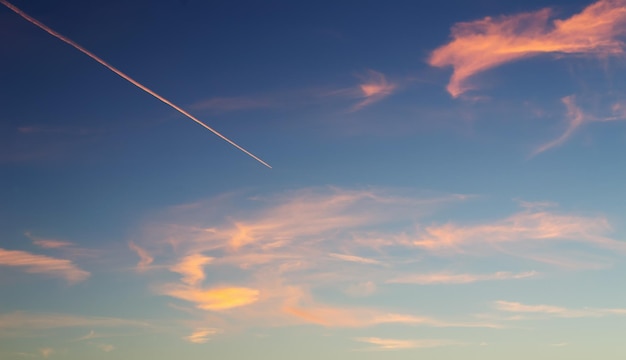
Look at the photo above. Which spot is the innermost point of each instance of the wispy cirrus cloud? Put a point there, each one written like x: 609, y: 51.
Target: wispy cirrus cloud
x: 24, y: 323
x: 145, y: 259
x: 530, y: 227
x: 452, y: 278
x: 42, y: 264
x: 275, y: 254
x: 557, y: 311
x: 191, y: 268
x: 373, y: 86
x: 47, y: 243
x: 484, y: 44
x: 201, y: 335
x: 46, y: 352
x: 577, y: 118
x: 401, y: 344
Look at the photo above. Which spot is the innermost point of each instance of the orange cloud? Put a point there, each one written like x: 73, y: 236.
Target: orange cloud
x: 481, y: 45
x: 192, y: 268
x: 214, y: 299
x: 201, y: 335
x: 41, y: 264
x: 449, y: 278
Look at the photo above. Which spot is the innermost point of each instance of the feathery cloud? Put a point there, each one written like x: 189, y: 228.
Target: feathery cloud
x: 277, y: 252
x: 576, y: 118
x: 22, y: 323
x: 481, y: 45
x: 398, y: 344
x: 530, y: 227
x: 556, y: 311
x: 192, y: 268
x: 42, y: 264
x: 451, y: 278
x: 374, y: 87
x: 47, y: 243
x: 145, y: 259
x: 201, y: 335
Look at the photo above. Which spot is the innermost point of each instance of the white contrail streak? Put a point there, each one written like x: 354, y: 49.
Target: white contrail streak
x: 124, y: 76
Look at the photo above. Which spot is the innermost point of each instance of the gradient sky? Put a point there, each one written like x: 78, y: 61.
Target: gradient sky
x: 446, y: 180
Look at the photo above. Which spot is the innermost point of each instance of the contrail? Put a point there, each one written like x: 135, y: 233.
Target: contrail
x: 124, y: 76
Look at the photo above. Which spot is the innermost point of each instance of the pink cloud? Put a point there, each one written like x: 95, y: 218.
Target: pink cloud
x: 145, y: 259
x: 47, y: 243
x: 42, y: 264
x: 481, y: 45
x: 528, y: 227
x: 451, y: 278
x: 374, y: 88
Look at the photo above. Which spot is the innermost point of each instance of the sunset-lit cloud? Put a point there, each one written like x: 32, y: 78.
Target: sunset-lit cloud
x: 214, y: 299
x: 451, y: 278
x: 398, y: 344
x: 46, y: 352
x: 42, y: 264
x: 47, y: 243
x: 201, y: 335
x: 529, y: 227
x: 192, y: 268
x: 353, y: 258
x: 576, y: 118
x: 24, y: 323
x: 374, y: 87
x: 145, y: 259
x: 480, y: 45
x: 275, y: 256
x: 557, y: 311
x: 330, y: 316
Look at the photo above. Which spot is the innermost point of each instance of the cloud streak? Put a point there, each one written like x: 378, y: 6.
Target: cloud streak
x: 18, y: 322
x: 556, y: 311
x: 529, y: 228
x: 125, y: 77
x: 399, y: 344
x: 42, y: 264
x: 451, y: 278
x: 201, y: 335
x: 484, y: 44
x: 576, y: 118
x: 48, y: 243
x: 145, y: 259
x: 374, y: 88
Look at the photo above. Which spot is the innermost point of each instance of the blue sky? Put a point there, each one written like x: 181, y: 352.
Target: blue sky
x: 445, y: 180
